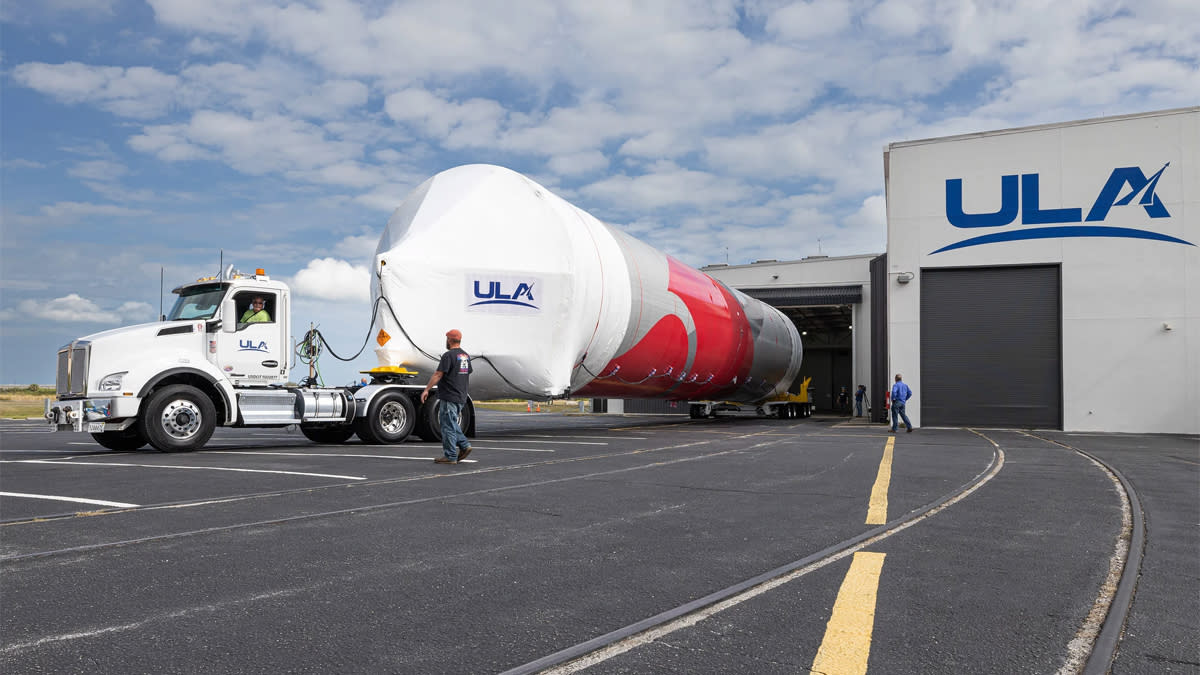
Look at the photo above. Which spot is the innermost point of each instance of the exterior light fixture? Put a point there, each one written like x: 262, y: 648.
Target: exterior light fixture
x: 904, y: 277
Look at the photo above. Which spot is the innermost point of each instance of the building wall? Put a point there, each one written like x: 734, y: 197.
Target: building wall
x: 1131, y: 306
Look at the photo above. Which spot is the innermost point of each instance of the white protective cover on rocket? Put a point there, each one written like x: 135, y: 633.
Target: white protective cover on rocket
x: 552, y: 302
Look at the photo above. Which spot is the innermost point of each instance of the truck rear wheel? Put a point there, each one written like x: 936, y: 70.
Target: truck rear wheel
x: 178, y: 418
x: 430, y: 428
x: 124, y: 440
x: 390, y: 419
x: 328, y: 435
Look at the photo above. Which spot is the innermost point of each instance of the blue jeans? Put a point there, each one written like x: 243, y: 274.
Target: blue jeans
x: 898, y: 411
x: 453, y: 438
x: 858, y: 408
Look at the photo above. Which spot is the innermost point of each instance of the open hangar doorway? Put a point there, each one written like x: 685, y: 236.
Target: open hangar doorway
x: 827, y: 334
x: 824, y: 316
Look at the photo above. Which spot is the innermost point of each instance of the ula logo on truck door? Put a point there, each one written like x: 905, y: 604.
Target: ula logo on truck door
x: 251, y: 346
x: 1020, y: 195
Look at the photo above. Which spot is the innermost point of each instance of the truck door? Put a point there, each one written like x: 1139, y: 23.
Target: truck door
x: 255, y: 352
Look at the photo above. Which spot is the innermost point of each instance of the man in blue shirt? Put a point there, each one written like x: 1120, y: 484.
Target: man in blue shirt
x: 900, y: 395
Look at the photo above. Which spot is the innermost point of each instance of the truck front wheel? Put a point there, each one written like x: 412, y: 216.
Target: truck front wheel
x: 178, y: 418
x: 125, y: 440
x: 390, y: 419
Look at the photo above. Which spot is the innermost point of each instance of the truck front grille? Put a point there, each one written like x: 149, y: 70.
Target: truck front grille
x: 72, y: 370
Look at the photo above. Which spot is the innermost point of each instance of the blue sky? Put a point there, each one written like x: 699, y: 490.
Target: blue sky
x: 147, y: 135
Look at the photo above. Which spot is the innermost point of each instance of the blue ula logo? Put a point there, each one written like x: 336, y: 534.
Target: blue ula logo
x: 492, y: 293
x: 1020, y: 195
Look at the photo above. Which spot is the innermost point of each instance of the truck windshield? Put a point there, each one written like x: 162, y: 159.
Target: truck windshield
x: 197, y: 302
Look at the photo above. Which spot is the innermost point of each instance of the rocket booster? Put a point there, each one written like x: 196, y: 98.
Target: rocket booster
x: 552, y: 302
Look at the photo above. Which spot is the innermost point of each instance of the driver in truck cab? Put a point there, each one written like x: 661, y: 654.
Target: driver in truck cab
x: 256, y: 312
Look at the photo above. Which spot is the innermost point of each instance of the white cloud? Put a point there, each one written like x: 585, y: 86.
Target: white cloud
x: 19, y: 163
x: 895, y: 17
x: 202, y: 47
x: 573, y: 164
x: 333, y: 279
x: 350, y: 174
x: 233, y: 18
x: 475, y: 121
x: 98, y: 170
x: 137, y: 92
x: 250, y: 145
x: 810, y: 19
x: 357, y: 247
x: 667, y: 185
x: 135, y: 312
x: 71, y: 308
x: 72, y: 212
x: 386, y: 198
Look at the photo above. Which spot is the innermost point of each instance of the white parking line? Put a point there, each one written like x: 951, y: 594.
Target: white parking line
x: 80, y: 500
x: 607, y: 438
x: 522, y: 440
x: 172, y: 466
x: 329, y: 454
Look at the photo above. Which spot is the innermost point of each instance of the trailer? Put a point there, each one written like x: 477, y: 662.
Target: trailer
x: 785, y: 406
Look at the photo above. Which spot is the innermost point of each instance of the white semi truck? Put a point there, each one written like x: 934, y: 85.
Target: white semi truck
x: 171, y: 383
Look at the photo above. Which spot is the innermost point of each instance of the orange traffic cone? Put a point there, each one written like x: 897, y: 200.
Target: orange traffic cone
x: 539, y: 407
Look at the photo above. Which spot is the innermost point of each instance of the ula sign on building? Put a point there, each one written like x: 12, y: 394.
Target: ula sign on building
x: 1020, y: 196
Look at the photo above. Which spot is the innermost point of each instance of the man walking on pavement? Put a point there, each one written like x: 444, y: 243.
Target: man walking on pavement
x: 451, y: 377
x: 900, y: 395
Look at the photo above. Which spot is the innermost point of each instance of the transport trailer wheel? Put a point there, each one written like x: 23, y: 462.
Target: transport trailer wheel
x: 390, y: 419
x: 178, y: 418
x: 326, y: 434
x: 125, y: 440
x: 428, y: 427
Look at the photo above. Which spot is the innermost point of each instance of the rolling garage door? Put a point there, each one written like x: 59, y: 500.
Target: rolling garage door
x: 991, y: 347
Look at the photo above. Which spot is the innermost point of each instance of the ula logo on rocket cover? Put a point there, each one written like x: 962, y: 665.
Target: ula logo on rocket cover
x: 501, y: 293
x: 1020, y: 195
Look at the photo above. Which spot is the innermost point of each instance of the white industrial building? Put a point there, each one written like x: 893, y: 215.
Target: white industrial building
x: 1041, y: 277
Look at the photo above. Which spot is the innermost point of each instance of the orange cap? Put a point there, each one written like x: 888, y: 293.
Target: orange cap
x: 454, y: 334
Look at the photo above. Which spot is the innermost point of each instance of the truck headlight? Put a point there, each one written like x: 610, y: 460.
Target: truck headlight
x: 112, y: 382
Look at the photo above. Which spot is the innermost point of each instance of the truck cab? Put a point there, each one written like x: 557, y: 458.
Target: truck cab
x: 201, y: 355
x: 247, y: 321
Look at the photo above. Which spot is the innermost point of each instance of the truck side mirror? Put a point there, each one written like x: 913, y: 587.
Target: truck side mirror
x: 229, y: 316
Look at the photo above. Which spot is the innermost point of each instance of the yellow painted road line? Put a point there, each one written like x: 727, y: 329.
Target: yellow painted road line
x: 847, y: 642
x: 877, y: 513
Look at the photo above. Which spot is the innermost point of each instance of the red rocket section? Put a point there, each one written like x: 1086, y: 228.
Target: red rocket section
x: 655, y: 366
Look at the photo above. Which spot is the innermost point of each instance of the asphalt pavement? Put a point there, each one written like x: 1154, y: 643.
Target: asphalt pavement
x: 619, y: 544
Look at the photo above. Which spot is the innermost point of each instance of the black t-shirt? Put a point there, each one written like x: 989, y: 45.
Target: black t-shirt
x: 455, y: 368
